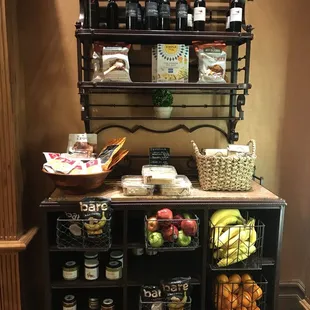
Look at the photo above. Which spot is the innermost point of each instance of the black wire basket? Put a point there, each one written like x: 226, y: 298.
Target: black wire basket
x: 237, y: 246
x: 73, y: 233
x: 189, y: 242
x: 162, y: 305
x: 236, y: 293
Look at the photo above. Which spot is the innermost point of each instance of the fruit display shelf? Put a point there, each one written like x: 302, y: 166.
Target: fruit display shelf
x: 128, y: 234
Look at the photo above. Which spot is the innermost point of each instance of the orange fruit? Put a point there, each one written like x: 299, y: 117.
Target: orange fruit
x: 235, y: 278
x: 253, y: 306
x: 241, y: 308
x: 226, y: 290
x: 244, y: 298
x: 257, y: 292
x: 222, y: 278
x: 246, y: 277
x: 249, y: 286
x: 231, y: 302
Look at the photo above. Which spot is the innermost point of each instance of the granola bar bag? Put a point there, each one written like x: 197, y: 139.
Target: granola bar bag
x: 212, y: 62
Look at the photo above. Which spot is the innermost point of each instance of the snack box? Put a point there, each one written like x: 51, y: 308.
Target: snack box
x: 133, y: 186
x: 158, y: 175
x: 181, y: 186
x: 170, y: 63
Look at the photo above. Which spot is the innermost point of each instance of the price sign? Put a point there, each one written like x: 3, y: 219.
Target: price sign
x: 159, y: 156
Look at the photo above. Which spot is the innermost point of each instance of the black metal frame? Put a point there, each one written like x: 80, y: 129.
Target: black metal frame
x: 236, y: 91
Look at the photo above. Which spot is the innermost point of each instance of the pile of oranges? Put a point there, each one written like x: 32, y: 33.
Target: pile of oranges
x: 237, y: 292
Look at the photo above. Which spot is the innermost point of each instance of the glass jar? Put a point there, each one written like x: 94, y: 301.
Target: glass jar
x: 114, y: 270
x: 70, y: 271
x: 69, y: 303
x: 117, y: 256
x: 107, y: 304
x: 91, y: 269
x: 93, y: 303
x: 91, y: 255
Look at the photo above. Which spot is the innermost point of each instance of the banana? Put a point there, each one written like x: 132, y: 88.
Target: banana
x: 217, y: 254
x: 233, y: 242
x: 244, y: 248
x: 228, y: 234
x: 235, y: 258
x: 228, y: 220
x: 177, y: 303
x: 93, y: 223
x: 253, y: 234
x: 219, y: 214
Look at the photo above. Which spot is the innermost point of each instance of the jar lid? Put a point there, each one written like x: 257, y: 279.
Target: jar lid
x: 70, y: 264
x: 114, y: 264
x: 116, y: 254
x: 91, y: 262
x: 69, y: 298
x: 107, y: 302
x: 91, y: 255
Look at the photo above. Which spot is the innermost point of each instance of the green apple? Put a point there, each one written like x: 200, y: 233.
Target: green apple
x: 183, y: 240
x: 156, y: 239
x: 188, y: 216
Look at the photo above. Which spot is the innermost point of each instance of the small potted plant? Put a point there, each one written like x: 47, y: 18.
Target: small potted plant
x: 162, y: 101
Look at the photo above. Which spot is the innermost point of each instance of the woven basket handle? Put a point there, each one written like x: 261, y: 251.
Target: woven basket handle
x: 196, y: 149
x: 252, y: 145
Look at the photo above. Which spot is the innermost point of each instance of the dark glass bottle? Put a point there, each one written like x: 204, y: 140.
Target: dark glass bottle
x: 151, y: 15
x: 93, y: 13
x: 112, y: 15
x: 236, y: 13
x: 199, y: 15
x: 228, y: 20
x: 139, y: 16
x: 164, y: 15
x: 181, y: 15
x: 190, y: 21
x: 131, y: 14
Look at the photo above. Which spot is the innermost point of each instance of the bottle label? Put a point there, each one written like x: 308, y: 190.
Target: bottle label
x: 151, y: 9
x: 70, y: 275
x: 131, y: 9
x: 182, y: 11
x: 236, y: 15
x: 228, y: 22
x: 190, y: 20
x: 91, y: 273
x: 199, y: 14
x: 69, y: 307
x: 112, y: 275
x: 164, y: 10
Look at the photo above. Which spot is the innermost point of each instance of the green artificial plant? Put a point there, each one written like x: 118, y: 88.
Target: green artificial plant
x: 162, y: 98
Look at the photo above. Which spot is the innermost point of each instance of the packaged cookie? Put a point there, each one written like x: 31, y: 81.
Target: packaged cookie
x: 61, y: 165
x: 212, y: 62
x: 82, y: 146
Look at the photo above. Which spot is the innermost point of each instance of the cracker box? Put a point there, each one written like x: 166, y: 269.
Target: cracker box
x: 170, y: 63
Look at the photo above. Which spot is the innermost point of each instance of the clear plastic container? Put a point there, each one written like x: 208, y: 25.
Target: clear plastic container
x: 133, y: 186
x: 182, y: 186
x: 158, y: 174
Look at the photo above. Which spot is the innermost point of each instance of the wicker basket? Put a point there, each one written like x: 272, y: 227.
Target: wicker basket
x: 226, y: 173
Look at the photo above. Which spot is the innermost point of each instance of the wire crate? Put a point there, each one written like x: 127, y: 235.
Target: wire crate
x: 252, y: 295
x: 66, y: 239
x: 237, y: 246
x: 162, y: 305
x: 174, y: 244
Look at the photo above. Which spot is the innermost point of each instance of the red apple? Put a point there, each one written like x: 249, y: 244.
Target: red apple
x: 171, y: 233
x: 163, y: 215
x: 178, y: 218
x: 152, y: 224
x: 189, y: 227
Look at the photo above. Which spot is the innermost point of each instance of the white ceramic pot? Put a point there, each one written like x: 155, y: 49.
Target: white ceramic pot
x: 163, y: 112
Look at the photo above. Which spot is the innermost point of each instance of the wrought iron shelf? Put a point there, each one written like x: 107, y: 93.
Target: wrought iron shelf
x: 167, y: 36
x: 81, y: 283
x: 107, y: 87
x: 146, y: 118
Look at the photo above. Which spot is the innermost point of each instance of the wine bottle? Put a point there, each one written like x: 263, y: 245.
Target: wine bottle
x: 236, y: 11
x: 228, y: 20
x: 139, y: 16
x: 112, y: 15
x: 164, y: 15
x: 131, y: 14
x: 181, y: 15
x: 151, y: 14
x: 93, y: 13
x: 199, y: 15
x: 189, y: 16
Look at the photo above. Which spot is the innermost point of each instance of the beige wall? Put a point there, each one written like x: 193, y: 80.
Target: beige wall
x: 275, y: 113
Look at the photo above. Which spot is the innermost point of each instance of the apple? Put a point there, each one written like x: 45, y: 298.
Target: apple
x: 164, y: 214
x: 178, y: 218
x: 152, y: 224
x: 189, y: 227
x: 156, y: 239
x: 183, y: 240
x: 171, y: 233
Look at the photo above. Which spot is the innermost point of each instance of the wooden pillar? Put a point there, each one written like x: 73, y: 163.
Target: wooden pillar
x: 12, y: 121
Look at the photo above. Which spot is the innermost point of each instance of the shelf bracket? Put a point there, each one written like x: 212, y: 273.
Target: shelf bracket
x: 240, y: 103
x: 233, y: 136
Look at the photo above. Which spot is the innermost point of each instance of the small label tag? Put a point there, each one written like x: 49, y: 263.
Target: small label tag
x: 159, y: 156
x: 238, y: 148
x: 94, y: 205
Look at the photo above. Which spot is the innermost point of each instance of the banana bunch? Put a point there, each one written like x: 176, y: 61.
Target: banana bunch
x: 232, y: 237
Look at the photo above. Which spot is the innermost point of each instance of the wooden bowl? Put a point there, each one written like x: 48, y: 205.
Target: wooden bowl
x: 78, y: 184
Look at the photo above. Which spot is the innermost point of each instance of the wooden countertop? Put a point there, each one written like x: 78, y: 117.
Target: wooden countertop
x: 113, y: 190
